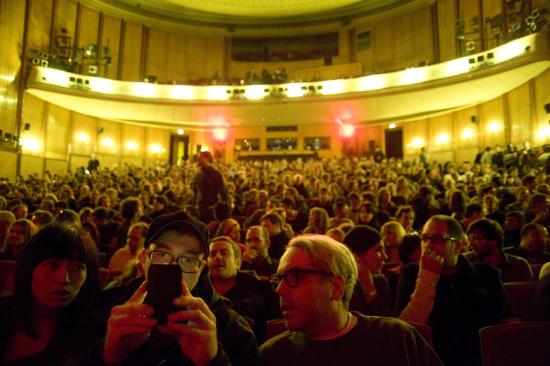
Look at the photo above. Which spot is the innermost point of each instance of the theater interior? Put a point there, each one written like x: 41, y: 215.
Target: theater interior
x: 156, y: 81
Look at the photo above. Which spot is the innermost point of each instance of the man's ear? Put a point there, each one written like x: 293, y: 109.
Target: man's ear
x: 459, y: 245
x: 338, y: 287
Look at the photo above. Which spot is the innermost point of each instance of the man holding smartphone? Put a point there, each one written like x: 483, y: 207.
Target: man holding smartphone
x: 200, y: 328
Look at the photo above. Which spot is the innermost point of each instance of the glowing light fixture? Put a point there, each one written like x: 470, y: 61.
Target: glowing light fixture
x: 543, y: 134
x: 467, y: 133
x: 456, y: 67
x: 83, y: 137
x: 254, y: 92
x: 182, y: 92
x: 371, y: 82
x: 132, y: 145
x: 294, y: 90
x: 31, y: 144
x: 100, y: 85
x: 332, y: 87
x: 494, y: 127
x: 219, y: 134
x: 413, y: 76
x: 108, y: 142
x: 392, y: 125
x: 217, y: 93
x: 57, y: 77
x: 145, y: 90
x: 180, y: 131
x: 442, y: 138
x: 347, y: 130
x: 510, y: 50
x: 416, y: 143
x: 156, y: 149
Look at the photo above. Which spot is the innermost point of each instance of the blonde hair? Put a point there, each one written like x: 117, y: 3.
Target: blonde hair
x: 329, y: 255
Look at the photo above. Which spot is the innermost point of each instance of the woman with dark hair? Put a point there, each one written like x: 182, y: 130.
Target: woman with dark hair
x: 19, y: 232
x: 48, y: 319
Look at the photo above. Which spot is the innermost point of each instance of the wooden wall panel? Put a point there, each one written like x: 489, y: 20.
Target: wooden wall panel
x: 111, y: 39
x: 131, y: 60
x: 56, y: 166
x: 65, y: 17
x: 58, y: 125
x: 441, y: 133
x: 519, y: 102
x: 11, y: 31
x: 157, y: 55
x: 89, y: 27
x: 492, y: 114
x: 83, y: 127
x: 7, y: 168
x: 447, y: 16
x: 422, y: 38
x: 135, y: 134
x: 109, y: 142
x: 467, y: 128
x: 177, y: 57
x: 469, y: 10
x: 39, y: 25
x: 31, y: 165
x: 491, y: 8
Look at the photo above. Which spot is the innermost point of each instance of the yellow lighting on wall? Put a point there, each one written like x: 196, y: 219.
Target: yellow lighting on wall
x: 294, y: 90
x: 543, y: 134
x: 467, y: 133
x: 413, y: 76
x: 348, y: 130
x: 8, y: 78
x: 57, y: 77
x: 442, y: 138
x: 416, y: 142
x: 217, y: 93
x: 494, y: 127
x: 332, y: 87
x: 371, y: 82
x: 108, y: 142
x: 145, y: 90
x: 132, y: 145
x: 83, y: 137
x: 510, y: 50
x: 456, y: 67
x: 392, y: 125
x: 101, y: 85
x: 31, y: 144
x: 180, y: 131
x: 156, y: 149
x: 182, y: 92
x: 254, y: 92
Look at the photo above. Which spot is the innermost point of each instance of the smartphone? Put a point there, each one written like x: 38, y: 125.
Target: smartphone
x: 163, y: 286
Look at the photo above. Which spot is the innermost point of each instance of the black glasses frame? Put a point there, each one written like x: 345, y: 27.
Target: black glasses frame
x: 292, y: 276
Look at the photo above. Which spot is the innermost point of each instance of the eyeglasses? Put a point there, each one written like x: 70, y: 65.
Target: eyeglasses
x: 187, y: 264
x: 292, y: 276
x: 436, y: 238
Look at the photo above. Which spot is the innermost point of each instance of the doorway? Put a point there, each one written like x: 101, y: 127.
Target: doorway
x: 394, y: 143
x: 179, y: 148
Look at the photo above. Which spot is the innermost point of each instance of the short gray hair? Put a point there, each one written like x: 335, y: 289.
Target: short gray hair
x: 329, y: 255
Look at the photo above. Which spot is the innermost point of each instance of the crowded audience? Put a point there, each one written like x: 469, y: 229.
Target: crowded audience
x: 341, y: 239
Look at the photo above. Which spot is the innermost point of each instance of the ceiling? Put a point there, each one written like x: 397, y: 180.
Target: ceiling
x: 368, y: 108
x: 238, y: 15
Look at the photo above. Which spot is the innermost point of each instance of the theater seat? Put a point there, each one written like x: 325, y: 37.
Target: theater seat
x: 522, y: 294
x: 425, y: 331
x: 7, y: 268
x: 525, y: 343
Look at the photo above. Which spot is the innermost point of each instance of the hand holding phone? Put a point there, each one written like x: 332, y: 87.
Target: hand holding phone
x: 163, y: 286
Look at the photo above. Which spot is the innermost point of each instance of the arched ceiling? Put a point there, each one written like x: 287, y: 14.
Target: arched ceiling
x: 266, y: 15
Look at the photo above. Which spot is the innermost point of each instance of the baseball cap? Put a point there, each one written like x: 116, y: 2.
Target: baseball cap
x: 179, y: 220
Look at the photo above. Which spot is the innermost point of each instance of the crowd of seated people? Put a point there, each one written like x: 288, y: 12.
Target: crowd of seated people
x: 421, y: 238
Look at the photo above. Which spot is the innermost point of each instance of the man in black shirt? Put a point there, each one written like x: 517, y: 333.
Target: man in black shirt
x: 208, y: 186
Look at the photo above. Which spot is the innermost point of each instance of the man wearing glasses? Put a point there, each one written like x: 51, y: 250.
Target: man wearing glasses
x: 459, y: 297
x: 315, y: 281
x: 201, y: 330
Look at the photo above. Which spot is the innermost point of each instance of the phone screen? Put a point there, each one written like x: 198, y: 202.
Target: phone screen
x: 163, y: 286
